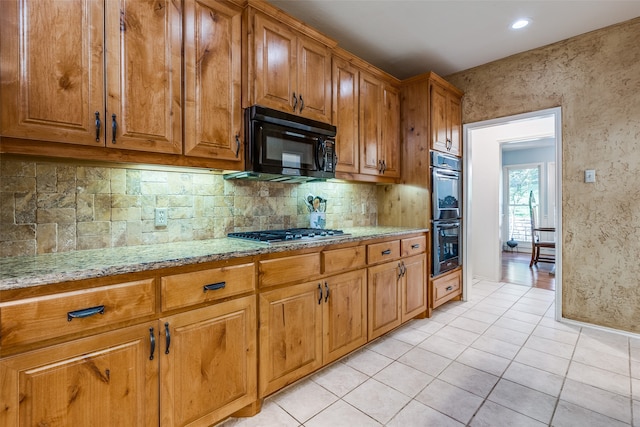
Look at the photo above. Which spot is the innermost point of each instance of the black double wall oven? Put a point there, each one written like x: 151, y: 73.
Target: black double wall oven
x: 446, y: 190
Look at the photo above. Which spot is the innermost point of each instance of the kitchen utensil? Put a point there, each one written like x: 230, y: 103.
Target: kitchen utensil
x: 308, y: 201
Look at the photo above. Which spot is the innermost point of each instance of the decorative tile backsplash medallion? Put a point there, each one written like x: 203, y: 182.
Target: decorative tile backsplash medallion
x: 55, y: 206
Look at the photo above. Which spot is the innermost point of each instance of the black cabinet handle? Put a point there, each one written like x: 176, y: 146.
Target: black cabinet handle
x: 319, y: 293
x: 448, y: 288
x: 237, y: 145
x: 399, y: 270
x: 386, y: 252
x: 214, y: 286
x: 295, y: 102
x: 114, y: 128
x: 168, y: 337
x: 98, y: 126
x: 85, y: 312
x: 301, y: 104
x: 326, y: 289
x: 152, y: 338
x: 416, y: 246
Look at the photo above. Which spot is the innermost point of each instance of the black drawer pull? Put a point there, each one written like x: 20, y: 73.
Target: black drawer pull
x: 98, y: 125
x: 114, y: 128
x: 449, y: 288
x: 319, y: 293
x: 168, y: 337
x: 214, y: 286
x: 85, y: 312
x: 387, y: 252
x: 416, y: 246
x: 152, y: 339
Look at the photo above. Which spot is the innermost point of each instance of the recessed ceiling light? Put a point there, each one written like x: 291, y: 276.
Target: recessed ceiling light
x: 520, y: 23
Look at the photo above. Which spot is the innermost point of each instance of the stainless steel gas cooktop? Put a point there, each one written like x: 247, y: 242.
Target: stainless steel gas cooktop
x: 288, y: 235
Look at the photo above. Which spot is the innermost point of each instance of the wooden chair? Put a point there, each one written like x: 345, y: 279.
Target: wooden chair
x: 536, y: 243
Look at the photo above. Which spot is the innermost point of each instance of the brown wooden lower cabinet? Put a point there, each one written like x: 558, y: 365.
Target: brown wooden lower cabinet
x: 203, y: 363
x: 193, y: 358
x: 413, y: 290
x: 344, y: 314
x: 290, y: 335
x: 107, y: 379
x: 446, y: 287
x: 208, y: 363
x: 384, y: 298
x: 303, y: 327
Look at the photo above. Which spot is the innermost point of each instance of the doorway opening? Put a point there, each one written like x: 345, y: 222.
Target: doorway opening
x: 506, y: 160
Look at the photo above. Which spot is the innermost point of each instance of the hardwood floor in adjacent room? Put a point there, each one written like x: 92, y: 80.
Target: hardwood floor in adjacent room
x: 515, y: 269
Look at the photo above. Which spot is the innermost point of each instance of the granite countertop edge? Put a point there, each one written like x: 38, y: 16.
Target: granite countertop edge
x: 29, y: 271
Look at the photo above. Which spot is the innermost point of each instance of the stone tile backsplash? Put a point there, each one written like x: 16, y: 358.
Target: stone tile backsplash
x: 55, y: 206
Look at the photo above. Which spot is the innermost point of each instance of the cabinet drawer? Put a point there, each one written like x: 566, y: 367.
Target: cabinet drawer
x: 413, y: 245
x: 343, y: 259
x: 30, y: 320
x: 180, y: 290
x: 385, y: 251
x: 290, y: 269
x: 446, y: 287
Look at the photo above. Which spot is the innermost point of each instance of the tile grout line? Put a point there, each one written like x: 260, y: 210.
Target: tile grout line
x: 510, y: 362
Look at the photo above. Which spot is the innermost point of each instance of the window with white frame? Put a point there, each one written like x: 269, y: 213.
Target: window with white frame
x: 519, y: 181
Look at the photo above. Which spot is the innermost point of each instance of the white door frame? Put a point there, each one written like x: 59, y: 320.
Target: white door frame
x: 467, y: 273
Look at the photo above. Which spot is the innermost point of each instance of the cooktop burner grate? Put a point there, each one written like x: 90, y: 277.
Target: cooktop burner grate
x: 291, y: 234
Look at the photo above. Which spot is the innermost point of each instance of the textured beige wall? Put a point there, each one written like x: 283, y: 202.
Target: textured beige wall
x: 595, y: 78
x: 56, y: 206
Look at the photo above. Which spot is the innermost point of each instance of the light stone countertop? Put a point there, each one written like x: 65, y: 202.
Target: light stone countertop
x: 23, y: 272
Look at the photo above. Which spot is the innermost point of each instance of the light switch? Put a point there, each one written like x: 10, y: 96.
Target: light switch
x: 590, y: 175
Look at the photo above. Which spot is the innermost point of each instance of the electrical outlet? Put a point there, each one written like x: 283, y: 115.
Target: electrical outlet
x: 590, y: 175
x: 161, y: 219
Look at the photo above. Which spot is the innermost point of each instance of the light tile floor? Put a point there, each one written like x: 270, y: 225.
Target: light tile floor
x: 499, y: 359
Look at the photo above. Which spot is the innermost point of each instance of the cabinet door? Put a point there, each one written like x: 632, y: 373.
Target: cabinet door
x: 346, y: 90
x: 212, y: 53
x: 274, y: 56
x: 383, y: 298
x: 414, y: 287
x: 51, y: 91
x: 454, y: 119
x: 439, y: 111
x: 290, y: 335
x: 144, y: 63
x: 390, y: 140
x: 370, y: 124
x: 103, y: 380
x: 313, y: 83
x: 208, y: 366
x: 345, y: 314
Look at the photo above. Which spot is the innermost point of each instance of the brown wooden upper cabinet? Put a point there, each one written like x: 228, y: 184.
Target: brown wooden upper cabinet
x: 93, y: 73
x: 366, y: 112
x: 345, y: 112
x: 446, y: 116
x: 213, y: 79
x: 288, y: 70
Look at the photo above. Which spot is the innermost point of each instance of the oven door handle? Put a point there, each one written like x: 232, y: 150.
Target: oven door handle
x: 446, y: 174
x: 449, y: 226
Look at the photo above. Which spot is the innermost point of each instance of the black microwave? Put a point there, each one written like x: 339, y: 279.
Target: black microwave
x: 287, y: 148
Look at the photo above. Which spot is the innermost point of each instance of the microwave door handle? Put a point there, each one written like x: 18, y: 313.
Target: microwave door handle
x: 320, y: 154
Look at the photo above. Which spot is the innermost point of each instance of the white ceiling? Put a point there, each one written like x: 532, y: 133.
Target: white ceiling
x: 410, y: 37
